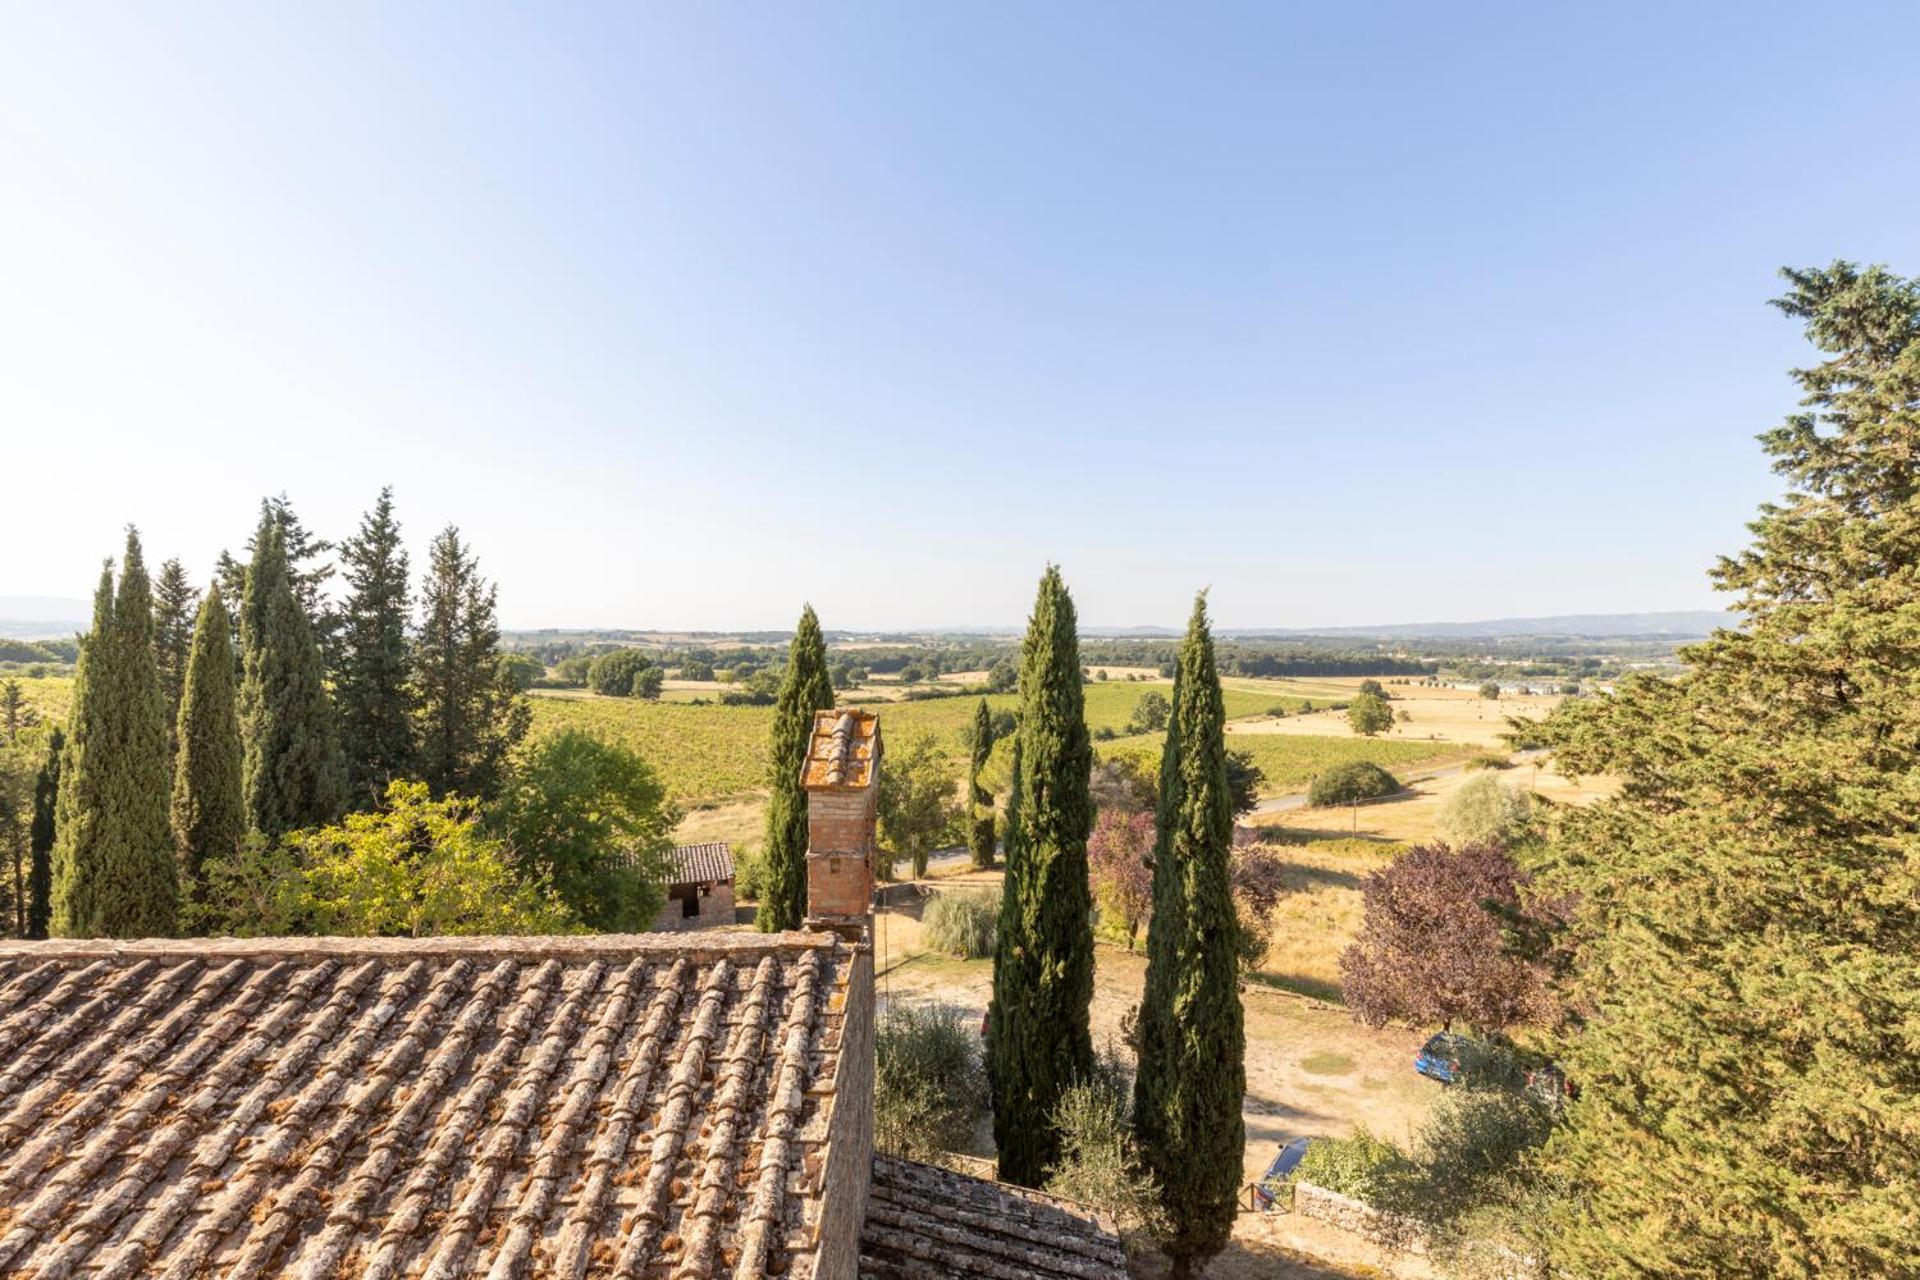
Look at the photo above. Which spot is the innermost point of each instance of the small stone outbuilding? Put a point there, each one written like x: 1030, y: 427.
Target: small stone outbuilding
x: 699, y: 888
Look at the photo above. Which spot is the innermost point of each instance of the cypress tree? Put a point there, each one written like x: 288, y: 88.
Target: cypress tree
x: 209, y: 816
x: 372, y: 687
x: 291, y: 769
x: 173, y: 610
x: 1748, y: 906
x: 805, y: 689
x: 980, y: 835
x: 1193, y: 1076
x: 1038, y: 1038
x: 112, y: 861
x: 470, y: 715
x: 46, y: 792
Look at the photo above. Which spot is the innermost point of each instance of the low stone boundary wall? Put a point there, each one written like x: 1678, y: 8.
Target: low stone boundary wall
x: 1389, y: 1229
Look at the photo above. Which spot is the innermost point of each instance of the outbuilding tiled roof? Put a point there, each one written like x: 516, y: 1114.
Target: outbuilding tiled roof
x: 842, y: 750
x: 701, y: 863
x: 317, y: 1108
x: 928, y: 1223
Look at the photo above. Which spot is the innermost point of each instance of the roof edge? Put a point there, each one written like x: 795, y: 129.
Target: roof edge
x: 713, y: 945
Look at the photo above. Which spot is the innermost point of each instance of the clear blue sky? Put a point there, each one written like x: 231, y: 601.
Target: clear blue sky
x: 686, y: 313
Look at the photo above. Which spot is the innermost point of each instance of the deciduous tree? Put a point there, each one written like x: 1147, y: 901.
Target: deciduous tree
x: 1369, y: 714
x: 1431, y: 946
x: 1193, y: 1076
x: 918, y: 812
x: 1038, y: 1038
x: 1120, y: 863
x: 589, y: 820
x: 805, y: 689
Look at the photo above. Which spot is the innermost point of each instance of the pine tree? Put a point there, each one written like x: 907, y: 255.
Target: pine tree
x: 112, y: 860
x: 1749, y: 906
x: 209, y: 815
x: 372, y: 686
x: 292, y: 774
x: 470, y: 716
x: 46, y: 793
x: 1038, y: 1039
x: 980, y: 835
x: 1193, y: 1076
x: 805, y: 689
x: 173, y: 609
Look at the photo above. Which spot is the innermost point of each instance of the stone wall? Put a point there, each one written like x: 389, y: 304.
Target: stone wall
x: 1390, y: 1230
x: 715, y: 902
x: 846, y: 1169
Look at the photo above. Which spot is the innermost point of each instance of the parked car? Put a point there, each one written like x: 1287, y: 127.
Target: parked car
x: 1273, y: 1187
x: 1439, y: 1057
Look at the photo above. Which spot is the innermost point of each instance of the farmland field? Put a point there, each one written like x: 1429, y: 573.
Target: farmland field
x: 711, y: 752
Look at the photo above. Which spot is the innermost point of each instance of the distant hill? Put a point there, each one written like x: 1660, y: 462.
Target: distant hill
x: 36, y: 617
x: 1679, y: 624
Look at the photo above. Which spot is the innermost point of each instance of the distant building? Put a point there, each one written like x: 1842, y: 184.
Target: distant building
x: 699, y: 888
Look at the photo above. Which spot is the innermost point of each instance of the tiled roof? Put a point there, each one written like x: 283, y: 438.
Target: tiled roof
x: 699, y: 863
x: 317, y: 1108
x: 842, y: 749
x: 927, y: 1223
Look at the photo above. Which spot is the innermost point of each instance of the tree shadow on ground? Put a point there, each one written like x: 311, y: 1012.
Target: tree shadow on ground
x: 1299, y: 983
x: 1283, y: 836
x: 1244, y: 1260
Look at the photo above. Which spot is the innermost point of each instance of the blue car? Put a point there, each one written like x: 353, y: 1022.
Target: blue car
x: 1439, y: 1057
x: 1272, y: 1186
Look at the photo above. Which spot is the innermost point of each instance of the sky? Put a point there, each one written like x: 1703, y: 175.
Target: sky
x: 685, y: 314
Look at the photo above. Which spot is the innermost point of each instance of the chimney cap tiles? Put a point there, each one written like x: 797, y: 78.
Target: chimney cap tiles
x: 843, y: 751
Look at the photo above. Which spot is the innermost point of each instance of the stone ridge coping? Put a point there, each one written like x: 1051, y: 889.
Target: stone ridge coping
x: 700, y: 948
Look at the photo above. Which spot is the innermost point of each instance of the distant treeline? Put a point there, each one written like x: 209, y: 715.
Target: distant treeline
x: 39, y: 650
x: 1257, y: 660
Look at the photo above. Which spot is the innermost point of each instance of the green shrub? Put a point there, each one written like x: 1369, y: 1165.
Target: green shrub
x: 1486, y: 811
x: 1361, y: 1166
x: 961, y: 924
x: 1099, y: 1162
x: 1351, y: 783
x: 749, y: 873
x: 930, y: 1089
x: 1487, y: 760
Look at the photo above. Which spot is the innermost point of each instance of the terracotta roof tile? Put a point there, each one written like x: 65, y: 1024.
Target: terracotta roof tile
x: 701, y: 863
x: 842, y: 751
x: 638, y: 1107
x: 928, y: 1223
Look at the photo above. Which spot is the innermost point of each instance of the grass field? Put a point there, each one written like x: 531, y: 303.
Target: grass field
x: 48, y: 696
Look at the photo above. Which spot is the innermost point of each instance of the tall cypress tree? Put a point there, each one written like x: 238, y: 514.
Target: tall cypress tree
x: 373, y: 683
x: 1748, y: 907
x: 1038, y: 1039
x: 209, y: 816
x: 980, y: 836
x: 46, y: 794
x: 173, y: 610
x: 470, y: 715
x: 112, y: 863
x: 291, y: 772
x: 1193, y: 1076
x: 806, y: 688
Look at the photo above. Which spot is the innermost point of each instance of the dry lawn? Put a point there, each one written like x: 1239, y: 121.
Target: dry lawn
x: 1444, y: 715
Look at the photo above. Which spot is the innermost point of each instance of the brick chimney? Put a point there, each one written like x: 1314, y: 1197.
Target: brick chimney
x: 841, y: 776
